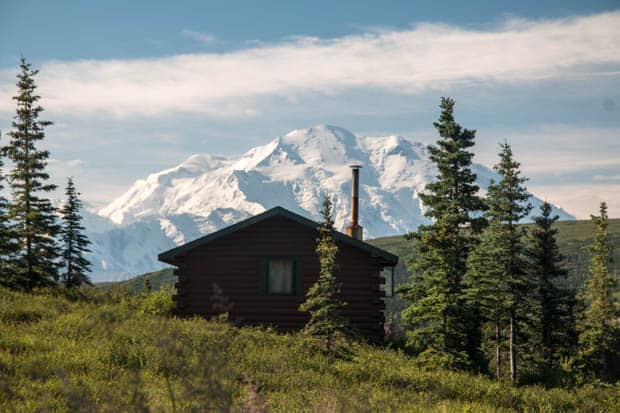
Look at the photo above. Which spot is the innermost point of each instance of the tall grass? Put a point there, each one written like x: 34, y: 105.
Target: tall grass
x: 111, y: 351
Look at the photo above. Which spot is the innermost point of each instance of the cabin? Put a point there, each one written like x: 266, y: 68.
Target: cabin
x: 259, y: 270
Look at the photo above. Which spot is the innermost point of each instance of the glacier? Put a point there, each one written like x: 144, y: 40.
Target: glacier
x: 207, y: 192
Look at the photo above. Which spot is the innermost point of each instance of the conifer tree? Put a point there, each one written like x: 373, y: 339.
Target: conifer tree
x: 437, y: 321
x: 508, y: 204
x: 555, y: 300
x: 486, y: 290
x: 496, y: 280
x: 8, y: 246
x: 327, y: 320
x: 75, y: 243
x: 599, y: 334
x: 31, y: 212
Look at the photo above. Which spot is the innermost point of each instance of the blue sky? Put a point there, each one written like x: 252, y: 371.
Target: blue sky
x: 69, y: 30
x: 135, y: 87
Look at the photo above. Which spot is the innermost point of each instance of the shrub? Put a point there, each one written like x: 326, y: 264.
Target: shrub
x: 157, y: 302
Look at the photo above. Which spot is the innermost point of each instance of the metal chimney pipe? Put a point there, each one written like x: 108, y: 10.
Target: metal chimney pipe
x: 355, y: 230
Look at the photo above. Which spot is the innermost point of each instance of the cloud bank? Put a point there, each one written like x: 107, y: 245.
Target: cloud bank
x: 581, y: 200
x: 548, y: 149
x: 425, y: 57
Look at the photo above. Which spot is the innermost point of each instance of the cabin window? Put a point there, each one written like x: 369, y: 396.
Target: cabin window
x: 279, y: 276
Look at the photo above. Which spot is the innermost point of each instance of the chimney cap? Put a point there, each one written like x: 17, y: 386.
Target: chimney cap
x: 355, y: 166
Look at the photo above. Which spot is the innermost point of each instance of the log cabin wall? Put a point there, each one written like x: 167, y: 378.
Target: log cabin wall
x: 232, y: 263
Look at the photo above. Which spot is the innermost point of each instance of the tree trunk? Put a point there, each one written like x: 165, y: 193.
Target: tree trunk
x: 513, y: 355
x: 498, y: 359
x: 27, y: 225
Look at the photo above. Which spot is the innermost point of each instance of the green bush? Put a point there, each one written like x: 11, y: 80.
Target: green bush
x: 157, y: 302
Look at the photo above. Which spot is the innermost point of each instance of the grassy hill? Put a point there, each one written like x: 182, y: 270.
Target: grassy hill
x: 574, y: 238
x: 108, y: 351
x: 158, y: 280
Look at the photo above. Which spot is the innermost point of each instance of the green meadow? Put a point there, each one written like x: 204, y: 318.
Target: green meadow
x: 114, y: 351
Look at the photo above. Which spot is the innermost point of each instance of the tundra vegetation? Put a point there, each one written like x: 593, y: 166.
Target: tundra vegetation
x: 490, y: 318
x: 110, y: 350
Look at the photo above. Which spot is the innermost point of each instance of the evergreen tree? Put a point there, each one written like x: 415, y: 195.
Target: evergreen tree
x: 31, y: 212
x: 485, y: 289
x: 327, y: 321
x: 496, y: 281
x: 75, y: 242
x: 439, y: 326
x: 508, y: 204
x: 599, y: 333
x: 8, y: 246
x: 555, y: 300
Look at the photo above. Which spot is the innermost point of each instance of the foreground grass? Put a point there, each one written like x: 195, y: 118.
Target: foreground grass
x: 114, y: 352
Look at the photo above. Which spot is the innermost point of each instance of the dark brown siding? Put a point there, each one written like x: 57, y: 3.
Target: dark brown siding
x: 233, y: 263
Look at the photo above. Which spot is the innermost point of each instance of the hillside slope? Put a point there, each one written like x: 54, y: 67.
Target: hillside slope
x: 158, y: 280
x: 108, y: 353
x: 574, y: 238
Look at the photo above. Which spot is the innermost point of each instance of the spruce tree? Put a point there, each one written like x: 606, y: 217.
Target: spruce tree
x: 439, y: 326
x: 555, y: 300
x: 599, y: 333
x: 497, y: 282
x: 327, y: 321
x: 31, y: 212
x: 8, y: 246
x: 485, y: 290
x: 508, y: 204
x: 75, y: 243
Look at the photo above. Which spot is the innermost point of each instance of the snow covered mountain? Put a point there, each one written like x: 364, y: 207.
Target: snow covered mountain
x: 208, y: 192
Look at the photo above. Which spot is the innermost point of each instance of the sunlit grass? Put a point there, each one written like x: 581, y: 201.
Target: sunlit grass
x: 117, y: 352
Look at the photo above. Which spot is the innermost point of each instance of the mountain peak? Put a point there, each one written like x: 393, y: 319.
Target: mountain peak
x: 204, y: 161
x: 321, y: 130
x: 207, y: 192
x: 323, y: 144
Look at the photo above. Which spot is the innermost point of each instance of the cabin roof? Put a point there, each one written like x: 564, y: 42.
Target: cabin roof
x: 171, y: 255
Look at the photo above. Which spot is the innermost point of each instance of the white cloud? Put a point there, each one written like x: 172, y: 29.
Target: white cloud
x: 581, y: 200
x: 426, y: 57
x: 557, y: 148
x: 69, y: 164
x: 606, y: 177
x: 205, y: 38
x: 60, y: 170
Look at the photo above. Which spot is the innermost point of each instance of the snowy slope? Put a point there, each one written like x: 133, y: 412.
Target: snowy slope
x: 208, y: 192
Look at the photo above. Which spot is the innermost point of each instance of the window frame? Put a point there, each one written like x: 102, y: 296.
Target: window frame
x: 263, y: 283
